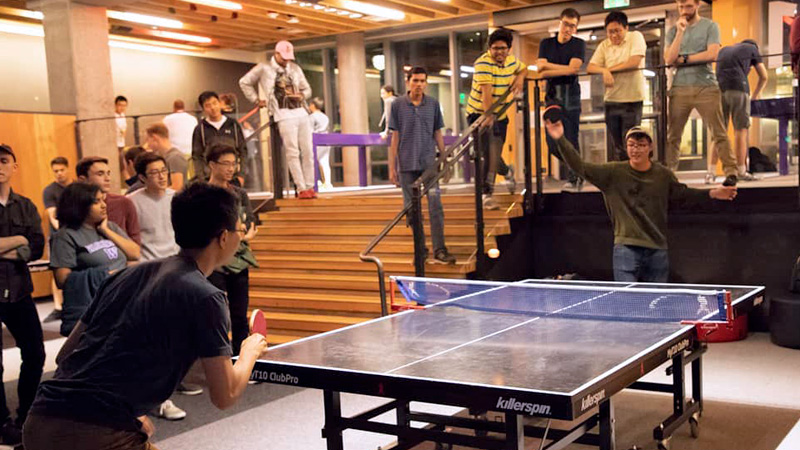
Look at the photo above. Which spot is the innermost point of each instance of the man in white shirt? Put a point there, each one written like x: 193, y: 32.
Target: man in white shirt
x: 181, y: 126
x: 617, y: 59
x: 120, y: 106
x: 287, y: 90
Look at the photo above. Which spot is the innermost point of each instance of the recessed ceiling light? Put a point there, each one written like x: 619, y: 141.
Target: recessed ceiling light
x: 330, y: 10
x: 272, y: 15
x: 147, y: 20
x: 342, y: 13
x: 182, y: 37
x: 373, y: 10
x: 305, y: 4
x: 223, y: 4
x: 356, y: 15
x: 293, y: 19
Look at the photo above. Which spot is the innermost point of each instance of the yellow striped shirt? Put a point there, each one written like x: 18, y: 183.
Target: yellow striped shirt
x: 487, y: 71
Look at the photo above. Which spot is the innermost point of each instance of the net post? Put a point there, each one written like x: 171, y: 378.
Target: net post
x: 537, y: 131
x: 526, y: 138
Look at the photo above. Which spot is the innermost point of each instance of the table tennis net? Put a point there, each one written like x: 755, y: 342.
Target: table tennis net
x: 569, y: 301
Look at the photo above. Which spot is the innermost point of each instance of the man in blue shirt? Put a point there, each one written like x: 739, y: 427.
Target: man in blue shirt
x: 416, y: 121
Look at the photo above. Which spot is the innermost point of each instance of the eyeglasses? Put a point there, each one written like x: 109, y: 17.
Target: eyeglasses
x: 225, y: 163
x: 569, y: 26
x: 638, y: 145
x: 614, y: 31
x: 153, y: 173
x: 498, y: 49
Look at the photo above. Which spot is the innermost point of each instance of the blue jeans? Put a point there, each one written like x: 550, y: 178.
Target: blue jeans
x: 633, y: 263
x: 434, y: 206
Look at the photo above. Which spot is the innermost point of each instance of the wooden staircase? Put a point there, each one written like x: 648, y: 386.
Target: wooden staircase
x: 311, y: 279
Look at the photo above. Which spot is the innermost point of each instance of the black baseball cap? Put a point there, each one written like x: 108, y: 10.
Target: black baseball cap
x: 7, y: 149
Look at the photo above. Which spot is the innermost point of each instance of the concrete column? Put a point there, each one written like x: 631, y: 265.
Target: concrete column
x: 79, y: 74
x: 352, y: 84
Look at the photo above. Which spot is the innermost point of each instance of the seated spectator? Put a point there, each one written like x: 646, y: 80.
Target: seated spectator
x: 234, y: 277
x: 153, y: 206
x: 50, y: 196
x: 158, y: 141
x: 95, y: 170
x: 131, y: 153
x: 86, y: 249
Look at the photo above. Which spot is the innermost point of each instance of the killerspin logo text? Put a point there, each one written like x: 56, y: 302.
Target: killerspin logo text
x: 512, y: 404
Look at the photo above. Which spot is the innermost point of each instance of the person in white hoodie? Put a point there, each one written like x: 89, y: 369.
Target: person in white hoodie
x: 287, y: 90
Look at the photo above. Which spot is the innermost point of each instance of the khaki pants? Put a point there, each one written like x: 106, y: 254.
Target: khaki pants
x: 48, y: 433
x: 707, y: 100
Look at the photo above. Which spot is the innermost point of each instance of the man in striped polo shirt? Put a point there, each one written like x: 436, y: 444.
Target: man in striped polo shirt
x: 495, y: 72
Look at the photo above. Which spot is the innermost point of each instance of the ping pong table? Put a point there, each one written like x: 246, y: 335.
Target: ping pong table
x: 544, y: 348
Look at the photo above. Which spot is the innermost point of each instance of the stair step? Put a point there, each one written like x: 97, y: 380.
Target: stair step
x: 467, y: 200
x: 269, y: 299
x: 309, y: 322
x: 319, y: 214
x: 327, y: 281
x: 274, y: 261
x: 384, y: 248
x: 367, y: 230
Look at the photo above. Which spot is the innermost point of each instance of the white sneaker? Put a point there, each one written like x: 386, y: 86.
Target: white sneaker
x: 747, y: 176
x: 169, y: 411
x: 489, y: 202
x: 710, y: 178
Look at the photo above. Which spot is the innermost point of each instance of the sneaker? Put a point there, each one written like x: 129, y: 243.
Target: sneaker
x: 313, y: 193
x: 710, y: 178
x: 189, y: 389
x: 573, y: 186
x: 442, y: 256
x: 511, y: 182
x: 307, y: 194
x: 489, y: 202
x: 730, y: 180
x: 747, y: 176
x: 11, y: 434
x: 53, y: 316
x: 169, y: 411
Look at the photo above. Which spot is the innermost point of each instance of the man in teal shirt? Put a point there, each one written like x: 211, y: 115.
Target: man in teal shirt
x: 692, y: 40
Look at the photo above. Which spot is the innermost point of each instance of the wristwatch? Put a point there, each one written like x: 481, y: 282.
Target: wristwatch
x: 683, y: 59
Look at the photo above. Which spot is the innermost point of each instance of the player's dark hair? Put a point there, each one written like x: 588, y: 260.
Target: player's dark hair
x: 205, y: 96
x: 501, y: 34
x: 416, y: 70
x: 217, y: 151
x: 570, y: 13
x: 388, y: 88
x: 144, y: 160
x: 751, y: 42
x: 120, y: 98
x: 74, y: 204
x: 60, y: 160
x: 83, y: 166
x: 617, y: 16
x: 131, y: 153
x: 201, y: 212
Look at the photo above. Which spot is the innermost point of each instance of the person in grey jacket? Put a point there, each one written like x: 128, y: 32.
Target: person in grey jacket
x: 287, y: 90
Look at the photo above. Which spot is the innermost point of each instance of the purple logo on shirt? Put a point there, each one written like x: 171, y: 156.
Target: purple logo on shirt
x: 111, y: 252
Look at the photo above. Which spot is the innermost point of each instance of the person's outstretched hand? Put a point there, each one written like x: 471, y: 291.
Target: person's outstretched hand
x: 554, y: 129
x: 254, y: 344
x: 723, y: 193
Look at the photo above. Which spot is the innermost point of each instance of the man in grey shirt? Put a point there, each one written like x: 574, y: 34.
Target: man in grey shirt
x: 416, y: 122
x: 158, y: 141
x: 153, y: 207
x: 692, y: 40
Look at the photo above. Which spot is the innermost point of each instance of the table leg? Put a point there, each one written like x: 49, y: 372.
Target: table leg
x: 515, y: 432
x: 697, y: 382
x: 608, y: 439
x: 333, y: 415
x: 403, y: 419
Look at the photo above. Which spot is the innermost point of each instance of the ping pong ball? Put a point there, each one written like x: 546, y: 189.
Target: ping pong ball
x: 494, y: 253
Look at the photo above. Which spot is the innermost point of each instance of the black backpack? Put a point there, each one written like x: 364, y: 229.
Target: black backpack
x: 760, y: 162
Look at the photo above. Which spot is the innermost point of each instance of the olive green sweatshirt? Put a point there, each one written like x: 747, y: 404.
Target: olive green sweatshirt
x: 637, y: 202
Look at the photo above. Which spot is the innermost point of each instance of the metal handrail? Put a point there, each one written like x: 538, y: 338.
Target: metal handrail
x: 458, y: 149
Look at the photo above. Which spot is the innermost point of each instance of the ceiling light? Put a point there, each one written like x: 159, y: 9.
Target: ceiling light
x: 469, y: 69
x: 379, y: 62
x: 318, y: 7
x: 356, y: 15
x: 330, y: 10
x: 292, y: 19
x: 273, y: 15
x: 222, y: 4
x: 148, y: 48
x: 446, y: 73
x: 182, y: 37
x: 342, y: 13
x: 147, y: 20
x: 8, y: 26
x: 464, y: 75
x: 305, y: 4
x: 373, y: 10
x: 36, y: 15
x: 291, y: 2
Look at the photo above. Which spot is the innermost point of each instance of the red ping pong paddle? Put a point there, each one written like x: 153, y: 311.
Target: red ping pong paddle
x: 258, y: 324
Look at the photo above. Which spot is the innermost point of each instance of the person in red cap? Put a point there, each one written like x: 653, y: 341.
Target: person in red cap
x: 287, y: 90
